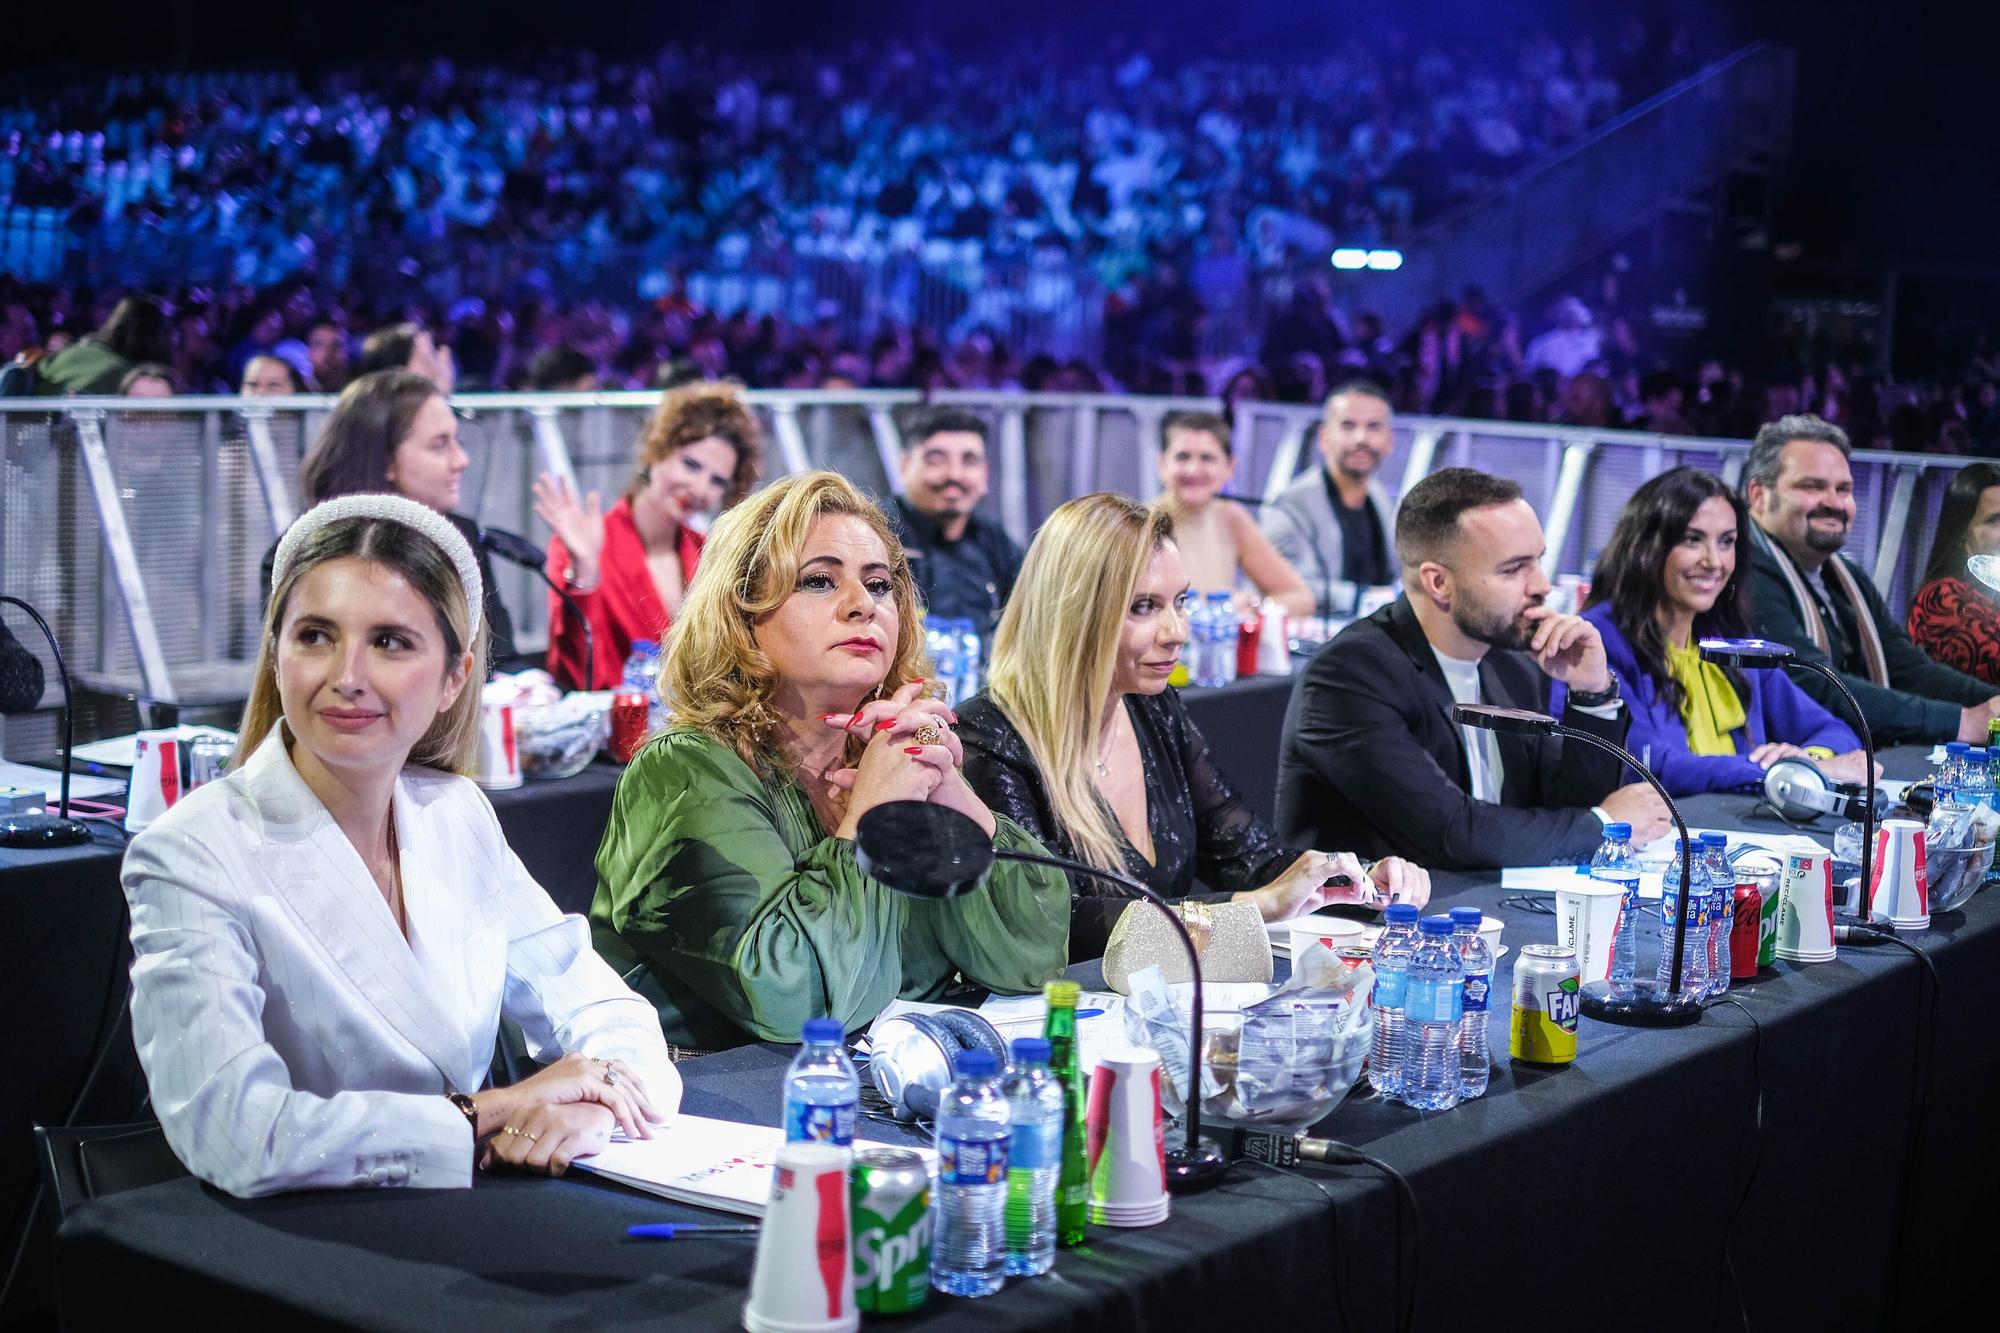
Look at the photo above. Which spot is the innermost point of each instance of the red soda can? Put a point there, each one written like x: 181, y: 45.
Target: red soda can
x: 1745, y: 935
x: 630, y: 717
x: 1247, y: 636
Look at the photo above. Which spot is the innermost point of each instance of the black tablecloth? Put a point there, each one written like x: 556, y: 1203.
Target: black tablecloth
x: 1610, y: 1188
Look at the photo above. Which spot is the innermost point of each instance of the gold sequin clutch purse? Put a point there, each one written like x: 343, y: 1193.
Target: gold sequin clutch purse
x: 1229, y: 937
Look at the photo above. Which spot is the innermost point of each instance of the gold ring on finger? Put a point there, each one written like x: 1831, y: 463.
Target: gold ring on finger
x: 930, y: 733
x: 610, y: 1076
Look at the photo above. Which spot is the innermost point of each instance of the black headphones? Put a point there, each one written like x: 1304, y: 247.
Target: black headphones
x: 913, y: 1054
x: 1801, y: 793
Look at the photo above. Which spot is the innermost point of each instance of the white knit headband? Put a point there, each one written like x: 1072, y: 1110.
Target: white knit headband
x: 395, y: 509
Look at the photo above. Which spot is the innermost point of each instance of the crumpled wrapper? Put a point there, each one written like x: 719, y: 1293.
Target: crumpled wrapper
x: 1285, y: 1059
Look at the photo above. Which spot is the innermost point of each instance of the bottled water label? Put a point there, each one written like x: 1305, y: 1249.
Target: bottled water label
x: 1477, y: 984
x: 1036, y: 1147
x: 1391, y: 984
x: 1435, y: 1001
x: 971, y: 1161
x: 819, y: 1122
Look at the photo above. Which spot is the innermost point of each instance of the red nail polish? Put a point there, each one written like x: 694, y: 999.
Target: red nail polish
x: 913, y: 749
x: 828, y: 717
x: 885, y: 724
x: 918, y: 681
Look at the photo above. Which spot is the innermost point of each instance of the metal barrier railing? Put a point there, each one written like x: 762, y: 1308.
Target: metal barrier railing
x: 138, y: 526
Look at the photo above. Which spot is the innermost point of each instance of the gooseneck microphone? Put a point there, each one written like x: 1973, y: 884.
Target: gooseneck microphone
x: 46, y: 830
x: 518, y: 550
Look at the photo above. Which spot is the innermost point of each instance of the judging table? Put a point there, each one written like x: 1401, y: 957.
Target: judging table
x: 1670, y: 1178
x: 63, y: 962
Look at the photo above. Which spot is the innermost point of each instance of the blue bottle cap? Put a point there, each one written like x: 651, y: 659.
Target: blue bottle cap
x: 1030, y: 1050
x: 1957, y: 747
x: 1618, y: 833
x: 1435, y: 925
x: 1467, y: 916
x: 1715, y: 839
x: 645, y: 646
x: 822, y: 1029
x: 975, y: 1064
x: 1401, y: 914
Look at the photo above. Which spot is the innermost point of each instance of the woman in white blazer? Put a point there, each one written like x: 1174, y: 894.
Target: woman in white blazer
x: 326, y: 939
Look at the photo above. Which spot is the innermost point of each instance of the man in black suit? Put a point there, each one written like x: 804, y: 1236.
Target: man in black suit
x: 1373, y: 758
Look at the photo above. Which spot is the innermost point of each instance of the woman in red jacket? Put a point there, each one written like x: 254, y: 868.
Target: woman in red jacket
x: 1954, y: 617
x: 629, y: 569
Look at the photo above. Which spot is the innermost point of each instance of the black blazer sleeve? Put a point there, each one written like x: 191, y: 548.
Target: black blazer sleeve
x: 1895, y: 716
x: 1361, y: 713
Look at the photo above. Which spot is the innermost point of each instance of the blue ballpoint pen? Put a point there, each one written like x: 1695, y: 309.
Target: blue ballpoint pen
x: 675, y: 1230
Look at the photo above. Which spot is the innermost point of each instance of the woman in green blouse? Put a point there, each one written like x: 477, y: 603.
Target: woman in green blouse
x: 727, y: 889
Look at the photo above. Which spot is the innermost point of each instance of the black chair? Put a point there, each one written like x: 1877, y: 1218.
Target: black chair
x: 96, y: 1160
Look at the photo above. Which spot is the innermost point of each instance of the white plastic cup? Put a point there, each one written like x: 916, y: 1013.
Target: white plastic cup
x: 1899, y: 887
x: 1332, y: 931
x: 1126, y: 1134
x: 1805, y: 905
x: 499, y: 748
x: 1587, y: 921
x: 804, y: 1278
x: 156, y: 778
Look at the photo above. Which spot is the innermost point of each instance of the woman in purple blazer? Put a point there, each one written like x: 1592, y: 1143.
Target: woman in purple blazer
x: 1668, y: 578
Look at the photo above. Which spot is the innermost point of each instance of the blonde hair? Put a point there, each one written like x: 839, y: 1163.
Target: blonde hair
x: 713, y: 675
x: 451, y: 743
x: 696, y: 412
x: 1056, y: 650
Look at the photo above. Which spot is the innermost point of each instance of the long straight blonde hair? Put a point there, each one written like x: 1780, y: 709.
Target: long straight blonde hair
x: 712, y: 674
x: 452, y: 741
x: 1056, y: 650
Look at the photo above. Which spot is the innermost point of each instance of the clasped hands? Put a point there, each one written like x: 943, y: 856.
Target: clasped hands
x: 566, y: 1111
x: 911, y: 755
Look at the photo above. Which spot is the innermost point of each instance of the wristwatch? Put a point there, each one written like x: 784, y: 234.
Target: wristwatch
x: 467, y: 1107
x: 1608, y: 695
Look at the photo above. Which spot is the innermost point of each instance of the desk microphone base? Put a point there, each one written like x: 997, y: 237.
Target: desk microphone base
x: 1640, y: 1004
x: 34, y: 831
x: 1194, y: 1169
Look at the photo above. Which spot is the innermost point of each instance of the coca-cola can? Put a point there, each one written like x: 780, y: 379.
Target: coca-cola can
x: 629, y: 720
x: 1746, y: 934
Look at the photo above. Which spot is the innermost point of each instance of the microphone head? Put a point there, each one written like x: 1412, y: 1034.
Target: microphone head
x: 511, y: 546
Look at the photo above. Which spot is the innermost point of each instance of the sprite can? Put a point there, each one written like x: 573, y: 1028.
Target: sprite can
x: 891, y: 1198
x: 1546, y: 1005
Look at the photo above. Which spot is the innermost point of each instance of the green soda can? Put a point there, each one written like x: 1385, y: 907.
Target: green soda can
x: 891, y: 1199
x: 1073, y: 1182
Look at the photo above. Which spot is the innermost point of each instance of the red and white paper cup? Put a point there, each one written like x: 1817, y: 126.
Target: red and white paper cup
x: 156, y: 778
x: 1126, y: 1133
x: 1587, y: 921
x: 499, y: 748
x: 804, y: 1278
x: 1805, y: 905
x: 1899, y: 888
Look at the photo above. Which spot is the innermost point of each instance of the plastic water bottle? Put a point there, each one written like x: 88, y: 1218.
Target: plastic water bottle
x: 1434, y: 1009
x: 1035, y: 1112
x: 941, y: 639
x: 1721, y: 907
x: 1976, y: 788
x: 1222, y: 632
x: 642, y: 673
x: 1475, y: 1061
x: 1616, y: 863
x: 1694, y: 958
x: 1950, y: 775
x: 971, y: 660
x: 969, y: 1249
x: 1391, y: 961
x: 822, y: 1092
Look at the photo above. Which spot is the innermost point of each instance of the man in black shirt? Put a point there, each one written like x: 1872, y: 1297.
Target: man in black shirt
x: 964, y: 565
x: 1334, y: 523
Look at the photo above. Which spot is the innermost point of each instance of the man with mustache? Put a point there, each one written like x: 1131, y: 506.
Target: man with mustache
x: 964, y: 566
x: 1334, y: 524
x: 1373, y: 757
x: 1806, y: 594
